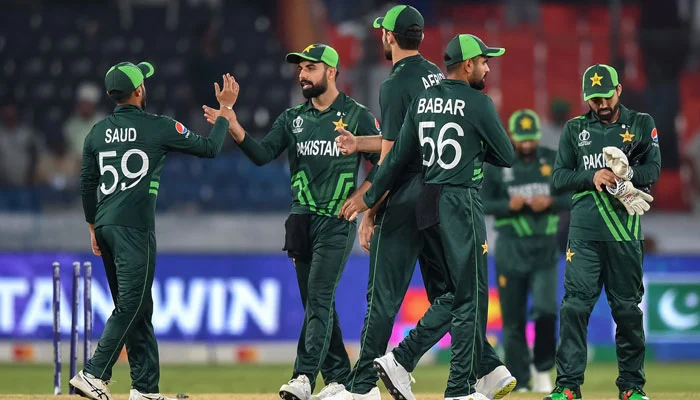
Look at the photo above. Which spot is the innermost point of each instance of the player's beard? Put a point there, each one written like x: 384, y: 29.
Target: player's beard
x: 478, y: 84
x: 525, y: 155
x: 387, y: 51
x: 316, y: 89
x: 608, y: 116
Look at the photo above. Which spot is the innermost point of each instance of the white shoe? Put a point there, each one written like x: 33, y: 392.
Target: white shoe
x: 329, y: 391
x: 395, y: 377
x: 473, y: 396
x: 136, y: 395
x: 345, y: 395
x: 88, y: 386
x: 496, y: 384
x: 298, y: 388
x: 541, y: 381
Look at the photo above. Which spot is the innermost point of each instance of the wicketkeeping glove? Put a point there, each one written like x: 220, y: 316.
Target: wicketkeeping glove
x: 616, y: 160
x: 634, y: 200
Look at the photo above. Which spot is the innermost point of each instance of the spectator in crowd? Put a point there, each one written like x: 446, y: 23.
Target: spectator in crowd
x: 551, y: 130
x: 84, y: 117
x: 58, y: 172
x: 19, y: 150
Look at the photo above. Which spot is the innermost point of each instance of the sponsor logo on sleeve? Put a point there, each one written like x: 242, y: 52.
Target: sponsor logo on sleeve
x: 181, y: 129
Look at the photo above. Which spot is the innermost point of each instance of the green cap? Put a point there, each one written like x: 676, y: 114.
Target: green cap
x: 316, y: 52
x: 399, y: 18
x: 465, y: 46
x: 524, y: 125
x: 599, y: 80
x: 125, y: 77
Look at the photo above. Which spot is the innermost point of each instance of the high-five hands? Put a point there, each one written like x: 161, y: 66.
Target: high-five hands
x: 229, y: 94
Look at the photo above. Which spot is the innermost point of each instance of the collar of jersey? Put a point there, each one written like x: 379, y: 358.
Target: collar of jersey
x: 337, y: 105
x: 406, y: 60
x: 127, y: 107
x: 624, y: 116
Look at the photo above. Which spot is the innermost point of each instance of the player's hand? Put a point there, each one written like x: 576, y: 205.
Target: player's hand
x: 93, y: 242
x: 539, y: 202
x: 616, y: 160
x: 604, y: 177
x: 346, y: 142
x: 229, y: 94
x: 366, y: 230
x: 516, y: 203
x: 634, y: 200
x: 352, y: 207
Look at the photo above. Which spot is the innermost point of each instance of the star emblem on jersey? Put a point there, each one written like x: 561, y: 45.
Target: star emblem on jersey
x: 502, y: 281
x: 485, y: 247
x: 546, y: 169
x: 627, y: 136
x: 308, y: 48
x: 526, y: 124
x: 595, y: 80
x: 339, y: 124
x: 569, y: 254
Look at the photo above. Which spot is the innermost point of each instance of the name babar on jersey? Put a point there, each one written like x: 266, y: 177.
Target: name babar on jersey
x: 313, y: 139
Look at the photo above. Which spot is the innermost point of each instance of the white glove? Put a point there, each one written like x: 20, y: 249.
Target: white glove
x: 616, y: 160
x: 634, y: 200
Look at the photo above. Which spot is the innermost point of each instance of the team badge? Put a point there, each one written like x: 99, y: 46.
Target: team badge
x: 181, y: 129
x: 545, y: 169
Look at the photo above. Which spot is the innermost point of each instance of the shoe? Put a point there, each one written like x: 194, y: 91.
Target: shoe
x: 541, y: 381
x: 345, y: 395
x: 562, y: 393
x: 329, y: 391
x: 136, y: 395
x: 496, y: 384
x: 633, y: 394
x: 88, y: 386
x: 395, y: 377
x: 473, y: 396
x: 298, y: 388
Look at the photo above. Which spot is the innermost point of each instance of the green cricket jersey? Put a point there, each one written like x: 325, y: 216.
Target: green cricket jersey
x: 322, y: 178
x: 526, y: 179
x: 409, y: 77
x: 456, y: 129
x: 597, y: 215
x: 122, y: 158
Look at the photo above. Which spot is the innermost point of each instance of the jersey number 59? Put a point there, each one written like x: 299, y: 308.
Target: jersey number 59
x: 441, y: 144
x: 138, y: 175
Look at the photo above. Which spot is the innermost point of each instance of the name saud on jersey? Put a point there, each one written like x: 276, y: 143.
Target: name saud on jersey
x: 318, y: 148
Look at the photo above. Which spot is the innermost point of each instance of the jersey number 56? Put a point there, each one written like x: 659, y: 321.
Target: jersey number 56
x: 441, y: 144
x: 138, y: 175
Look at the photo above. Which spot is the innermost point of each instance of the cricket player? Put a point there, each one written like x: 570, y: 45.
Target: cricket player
x: 525, y: 205
x: 123, y: 156
x: 455, y: 128
x: 393, y: 240
x: 316, y: 239
x: 605, y: 235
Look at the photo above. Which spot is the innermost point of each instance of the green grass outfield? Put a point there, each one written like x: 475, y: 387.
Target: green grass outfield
x: 239, y: 382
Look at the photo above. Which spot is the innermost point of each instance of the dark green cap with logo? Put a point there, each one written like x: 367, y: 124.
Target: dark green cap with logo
x: 524, y: 125
x: 599, y: 80
x: 399, y: 18
x: 465, y: 46
x: 317, y: 52
x: 125, y: 77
